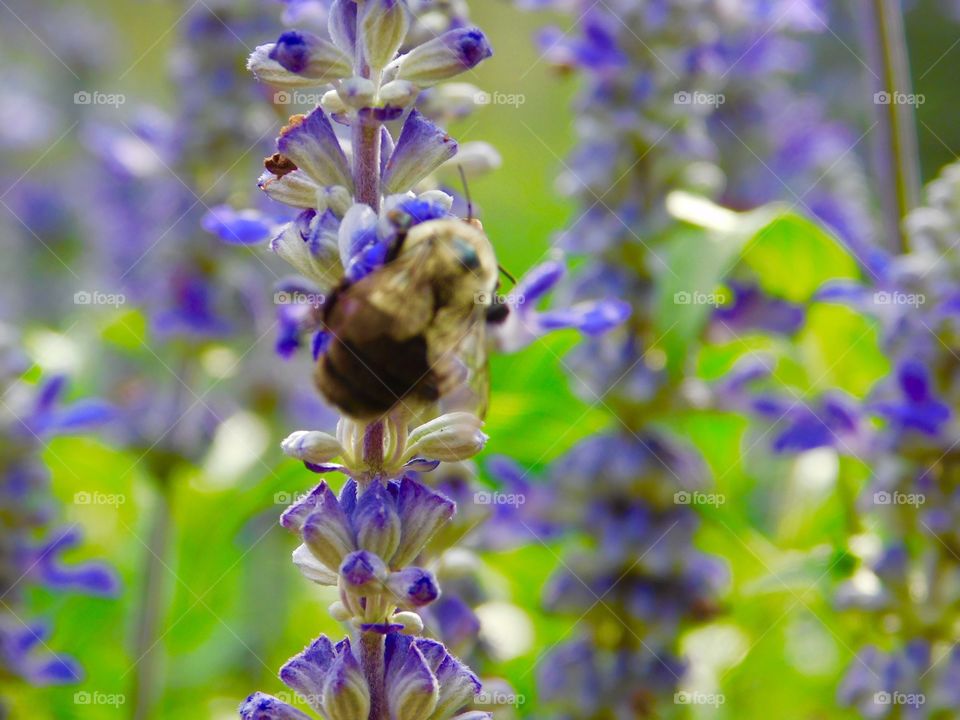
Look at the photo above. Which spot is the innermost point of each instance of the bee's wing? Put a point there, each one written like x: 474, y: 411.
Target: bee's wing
x: 470, y: 371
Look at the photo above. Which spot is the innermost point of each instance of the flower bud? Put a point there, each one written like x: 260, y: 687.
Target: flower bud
x: 312, y: 446
x: 346, y: 694
x: 310, y: 56
x: 301, y: 245
x: 476, y: 158
x: 362, y: 568
x: 444, y: 57
x: 451, y: 101
x: 411, y: 622
x: 421, y: 149
x: 450, y: 438
x: 333, y: 103
x: 339, y: 612
x: 298, y: 60
x: 384, y: 27
x: 438, y: 198
x: 413, y: 587
x: 357, y: 92
x: 399, y: 93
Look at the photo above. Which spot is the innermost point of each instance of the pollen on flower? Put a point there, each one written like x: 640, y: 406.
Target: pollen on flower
x: 293, y: 122
x: 279, y: 165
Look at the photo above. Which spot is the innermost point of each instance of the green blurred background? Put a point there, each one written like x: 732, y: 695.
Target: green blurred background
x: 236, y: 608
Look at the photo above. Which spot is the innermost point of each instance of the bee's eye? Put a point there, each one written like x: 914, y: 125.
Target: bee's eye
x: 466, y: 254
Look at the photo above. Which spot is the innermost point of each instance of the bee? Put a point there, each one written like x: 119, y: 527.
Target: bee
x: 413, y: 331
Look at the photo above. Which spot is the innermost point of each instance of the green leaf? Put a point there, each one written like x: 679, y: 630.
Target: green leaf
x: 128, y: 330
x: 793, y: 257
x: 790, y: 256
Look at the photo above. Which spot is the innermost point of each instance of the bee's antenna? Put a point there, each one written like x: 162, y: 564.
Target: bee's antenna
x: 506, y: 272
x: 466, y: 192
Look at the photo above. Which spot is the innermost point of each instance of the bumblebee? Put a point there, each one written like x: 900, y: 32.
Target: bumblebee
x: 412, y: 333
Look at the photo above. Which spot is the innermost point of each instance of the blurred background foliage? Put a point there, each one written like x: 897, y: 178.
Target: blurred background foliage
x: 235, y: 609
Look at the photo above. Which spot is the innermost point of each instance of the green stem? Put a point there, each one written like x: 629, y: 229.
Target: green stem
x: 147, y: 680
x: 889, y: 48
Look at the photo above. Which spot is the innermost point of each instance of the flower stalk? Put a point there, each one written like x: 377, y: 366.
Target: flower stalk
x: 900, y: 184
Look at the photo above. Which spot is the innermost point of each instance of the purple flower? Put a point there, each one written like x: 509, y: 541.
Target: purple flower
x: 33, y: 550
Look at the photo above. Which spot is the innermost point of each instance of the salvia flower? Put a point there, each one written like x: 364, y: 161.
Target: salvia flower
x: 911, y: 497
x: 365, y: 541
x: 423, y: 682
x: 32, y: 549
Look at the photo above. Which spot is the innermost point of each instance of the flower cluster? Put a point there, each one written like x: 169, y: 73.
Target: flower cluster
x: 355, y: 197
x: 31, y: 548
x: 676, y: 96
x: 422, y: 681
x: 910, y: 576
